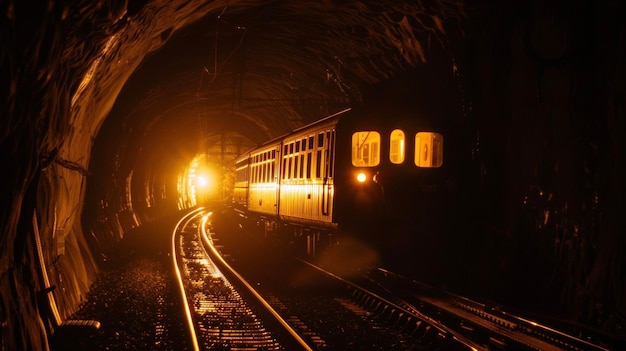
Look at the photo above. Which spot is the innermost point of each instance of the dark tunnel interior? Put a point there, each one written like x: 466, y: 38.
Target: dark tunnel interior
x: 107, y: 106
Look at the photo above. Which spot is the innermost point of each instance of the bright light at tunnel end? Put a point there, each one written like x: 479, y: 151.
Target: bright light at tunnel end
x: 198, y: 183
x: 202, y: 181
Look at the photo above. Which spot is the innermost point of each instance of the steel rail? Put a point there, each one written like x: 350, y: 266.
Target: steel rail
x: 444, y: 330
x: 193, y: 339
x: 297, y: 341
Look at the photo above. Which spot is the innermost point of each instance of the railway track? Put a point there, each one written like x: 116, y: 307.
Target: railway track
x: 318, y: 312
x: 223, y: 312
x: 297, y: 305
x: 488, y: 323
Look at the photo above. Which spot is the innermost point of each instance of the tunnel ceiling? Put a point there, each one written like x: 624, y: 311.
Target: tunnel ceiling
x: 252, y: 70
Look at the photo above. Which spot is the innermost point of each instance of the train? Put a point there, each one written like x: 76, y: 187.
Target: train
x: 356, y: 169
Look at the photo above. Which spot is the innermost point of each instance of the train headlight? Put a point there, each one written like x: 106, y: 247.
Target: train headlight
x: 361, y: 177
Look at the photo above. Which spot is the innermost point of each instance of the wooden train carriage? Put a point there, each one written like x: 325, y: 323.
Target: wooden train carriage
x: 263, y: 179
x: 307, y: 174
x: 242, y: 179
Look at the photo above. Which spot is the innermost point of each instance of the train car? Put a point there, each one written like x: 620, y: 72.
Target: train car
x: 351, y: 169
x: 290, y: 177
x: 389, y: 168
x: 242, y: 180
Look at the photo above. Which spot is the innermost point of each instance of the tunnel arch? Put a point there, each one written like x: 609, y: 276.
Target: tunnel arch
x: 70, y: 70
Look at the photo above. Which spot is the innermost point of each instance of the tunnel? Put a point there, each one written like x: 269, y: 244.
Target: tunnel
x: 110, y: 107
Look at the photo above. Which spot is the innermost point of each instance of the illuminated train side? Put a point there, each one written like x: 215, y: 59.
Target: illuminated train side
x: 348, y: 170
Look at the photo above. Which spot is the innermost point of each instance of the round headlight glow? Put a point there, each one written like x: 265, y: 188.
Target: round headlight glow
x: 202, y: 181
x: 361, y: 177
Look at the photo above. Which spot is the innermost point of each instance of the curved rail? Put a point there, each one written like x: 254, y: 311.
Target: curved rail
x: 215, y: 311
x: 296, y: 341
x: 193, y: 339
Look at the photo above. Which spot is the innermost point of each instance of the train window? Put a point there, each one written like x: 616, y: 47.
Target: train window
x: 366, y: 148
x: 428, y: 149
x: 283, y: 168
x: 310, y: 142
x: 298, y: 146
x: 301, y: 165
x: 396, y: 146
x: 308, y: 165
x: 331, y: 150
x: 318, y: 164
x: 320, y: 140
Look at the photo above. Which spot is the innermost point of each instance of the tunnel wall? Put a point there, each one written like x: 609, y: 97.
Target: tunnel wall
x: 545, y: 81
x: 62, y: 68
x: 546, y: 211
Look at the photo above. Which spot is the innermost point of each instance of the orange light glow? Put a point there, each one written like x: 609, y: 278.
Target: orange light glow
x: 361, y: 177
x: 202, y: 181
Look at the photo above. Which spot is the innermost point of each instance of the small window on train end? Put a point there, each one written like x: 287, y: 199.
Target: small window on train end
x: 396, y: 146
x: 428, y: 150
x: 366, y: 148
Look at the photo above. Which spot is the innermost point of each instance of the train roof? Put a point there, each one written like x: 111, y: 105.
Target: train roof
x: 283, y: 136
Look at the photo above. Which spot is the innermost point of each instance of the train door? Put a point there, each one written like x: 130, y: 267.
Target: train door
x: 329, y: 156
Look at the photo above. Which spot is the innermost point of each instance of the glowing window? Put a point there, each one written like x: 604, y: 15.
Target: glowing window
x: 308, y: 165
x: 366, y: 149
x: 428, y: 149
x: 318, y: 164
x: 396, y: 146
